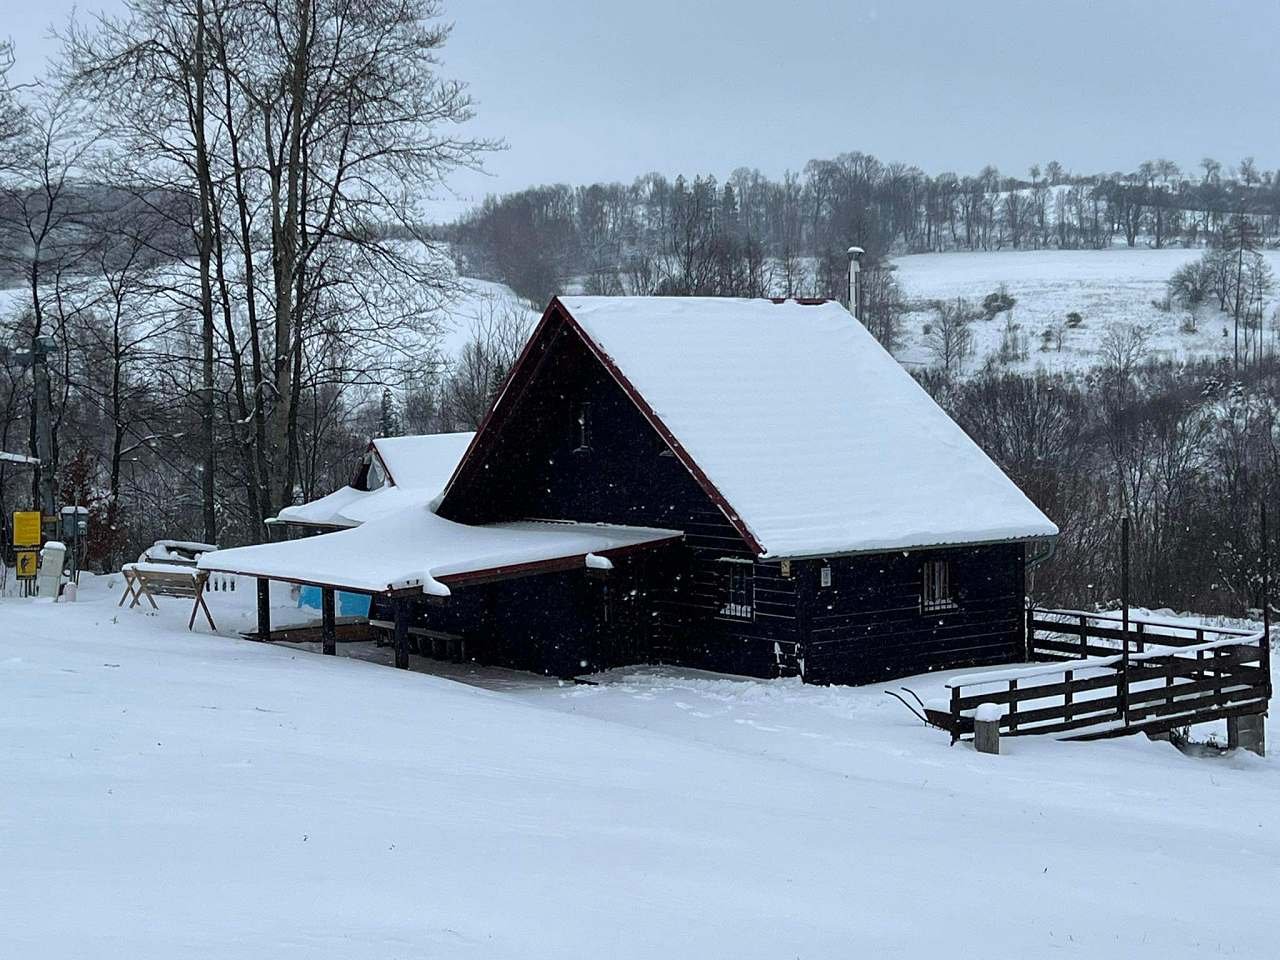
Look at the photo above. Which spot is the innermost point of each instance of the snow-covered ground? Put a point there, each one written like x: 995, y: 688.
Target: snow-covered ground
x: 167, y: 794
x: 1106, y: 287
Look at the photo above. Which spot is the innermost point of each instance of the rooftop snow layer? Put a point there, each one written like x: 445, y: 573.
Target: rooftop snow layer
x: 417, y: 548
x: 424, y: 462
x: 419, y: 467
x: 812, y: 432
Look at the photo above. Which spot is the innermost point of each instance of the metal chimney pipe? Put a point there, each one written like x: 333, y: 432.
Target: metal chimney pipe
x: 855, y: 267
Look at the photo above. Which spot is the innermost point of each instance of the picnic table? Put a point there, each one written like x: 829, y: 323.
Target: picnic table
x: 153, y: 580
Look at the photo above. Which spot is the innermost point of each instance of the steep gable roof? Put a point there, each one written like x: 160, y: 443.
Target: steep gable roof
x: 793, y: 418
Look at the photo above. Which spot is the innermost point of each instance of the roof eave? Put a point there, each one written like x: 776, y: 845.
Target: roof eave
x: 908, y: 548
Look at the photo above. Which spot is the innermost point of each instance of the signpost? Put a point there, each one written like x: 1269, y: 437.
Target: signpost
x: 26, y: 542
x: 26, y: 528
x: 26, y: 564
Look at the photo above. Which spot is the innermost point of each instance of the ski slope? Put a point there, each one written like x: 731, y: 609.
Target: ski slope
x: 175, y: 795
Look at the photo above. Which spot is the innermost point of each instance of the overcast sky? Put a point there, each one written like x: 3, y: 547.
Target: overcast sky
x: 587, y: 90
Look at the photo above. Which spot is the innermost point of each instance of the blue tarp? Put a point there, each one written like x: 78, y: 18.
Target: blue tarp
x: 345, y: 604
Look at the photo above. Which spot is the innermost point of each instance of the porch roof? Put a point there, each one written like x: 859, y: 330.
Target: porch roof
x: 417, y: 550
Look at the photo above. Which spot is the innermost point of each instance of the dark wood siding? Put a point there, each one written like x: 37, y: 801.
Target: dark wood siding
x: 536, y: 469
x: 868, y: 625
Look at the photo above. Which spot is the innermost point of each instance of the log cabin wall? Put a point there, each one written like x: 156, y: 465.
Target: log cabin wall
x: 869, y: 625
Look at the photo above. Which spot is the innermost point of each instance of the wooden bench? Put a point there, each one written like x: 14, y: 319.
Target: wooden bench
x: 153, y: 580
x: 443, y: 646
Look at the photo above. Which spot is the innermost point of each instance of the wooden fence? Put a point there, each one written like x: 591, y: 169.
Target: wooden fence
x: 1124, y: 676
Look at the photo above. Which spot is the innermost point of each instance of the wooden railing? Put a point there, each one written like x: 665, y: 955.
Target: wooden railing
x: 1076, y: 634
x: 1151, y: 678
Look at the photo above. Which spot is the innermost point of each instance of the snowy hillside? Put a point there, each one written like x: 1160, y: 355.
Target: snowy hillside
x: 173, y: 795
x: 1106, y: 287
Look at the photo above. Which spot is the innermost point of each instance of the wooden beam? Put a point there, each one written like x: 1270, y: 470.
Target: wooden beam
x: 264, y: 608
x: 328, y: 630
x: 402, y: 633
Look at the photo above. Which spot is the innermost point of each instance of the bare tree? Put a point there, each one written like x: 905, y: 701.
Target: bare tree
x: 949, y: 338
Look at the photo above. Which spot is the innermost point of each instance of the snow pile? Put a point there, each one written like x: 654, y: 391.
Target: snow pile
x: 815, y: 435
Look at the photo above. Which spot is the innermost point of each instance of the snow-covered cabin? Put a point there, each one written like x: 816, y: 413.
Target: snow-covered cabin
x: 743, y: 485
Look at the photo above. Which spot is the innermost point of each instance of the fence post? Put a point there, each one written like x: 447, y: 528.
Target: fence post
x: 1084, y: 638
x: 1029, y: 639
x: 1124, y: 602
x: 955, y: 714
x: 986, y: 728
x: 1266, y: 602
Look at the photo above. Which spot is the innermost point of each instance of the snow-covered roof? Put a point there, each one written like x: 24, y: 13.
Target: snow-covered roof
x: 418, y: 548
x: 817, y: 439
x: 417, y: 469
x: 423, y: 462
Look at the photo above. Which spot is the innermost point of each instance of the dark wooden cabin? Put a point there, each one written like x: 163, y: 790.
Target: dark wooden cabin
x: 572, y: 437
x: 832, y: 522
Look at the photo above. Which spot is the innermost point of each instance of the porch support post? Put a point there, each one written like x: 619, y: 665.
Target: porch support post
x: 264, y: 608
x: 402, y: 633
x: 328, y: 627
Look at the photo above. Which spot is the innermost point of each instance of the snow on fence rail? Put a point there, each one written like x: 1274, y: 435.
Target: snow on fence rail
x: 1149, y: 678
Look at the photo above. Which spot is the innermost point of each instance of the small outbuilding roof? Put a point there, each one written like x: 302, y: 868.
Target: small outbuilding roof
x: 416, y: 549
x: 416, y: 467
x: 811, y: 434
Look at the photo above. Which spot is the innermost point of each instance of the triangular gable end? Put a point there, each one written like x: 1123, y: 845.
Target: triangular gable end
x: 557, y: 322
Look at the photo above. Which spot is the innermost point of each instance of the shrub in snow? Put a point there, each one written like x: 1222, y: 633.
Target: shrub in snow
x: 998, y: 302
x: 1074, y: 320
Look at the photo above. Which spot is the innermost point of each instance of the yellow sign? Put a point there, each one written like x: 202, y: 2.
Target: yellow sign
x: 26, y: 564
x: 26, y: 528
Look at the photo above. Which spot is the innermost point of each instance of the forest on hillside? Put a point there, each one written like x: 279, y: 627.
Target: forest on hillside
x: 750, y: 235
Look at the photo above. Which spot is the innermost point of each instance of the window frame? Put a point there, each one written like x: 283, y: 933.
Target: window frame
x: 937, y: 586
x: 735, y: 584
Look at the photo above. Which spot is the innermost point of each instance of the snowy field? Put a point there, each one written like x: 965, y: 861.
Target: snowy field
x: 1106, y: 287
x: 175, y: 795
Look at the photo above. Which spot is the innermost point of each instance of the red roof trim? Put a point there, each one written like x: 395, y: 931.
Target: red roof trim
x: 709, y: 488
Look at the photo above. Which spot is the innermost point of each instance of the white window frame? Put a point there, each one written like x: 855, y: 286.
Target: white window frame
x: 936, y: 586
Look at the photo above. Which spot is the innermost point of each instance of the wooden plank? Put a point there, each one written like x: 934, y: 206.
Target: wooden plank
x: 1039, y: 692
x: 1080, y: 710
x: 1203, y: 702
x: 1169, y: 723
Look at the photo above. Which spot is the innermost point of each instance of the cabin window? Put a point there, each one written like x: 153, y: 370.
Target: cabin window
x: 935, y: 590
x: 738, y: 591
x: 582, y: 426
